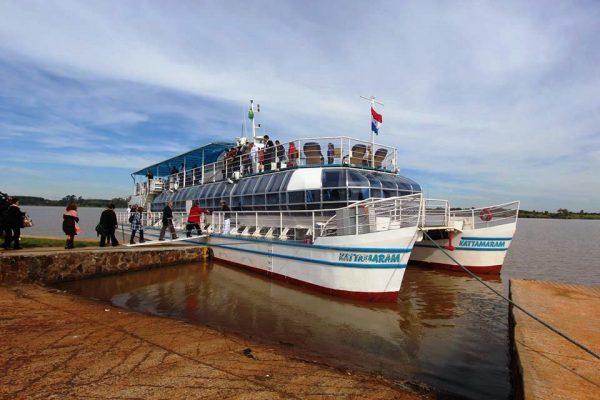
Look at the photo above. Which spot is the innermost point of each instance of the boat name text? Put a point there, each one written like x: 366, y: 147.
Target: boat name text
x: 372, y: 258
x: 482, y: 243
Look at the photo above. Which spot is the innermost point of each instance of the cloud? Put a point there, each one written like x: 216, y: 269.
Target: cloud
x: 500, y: 96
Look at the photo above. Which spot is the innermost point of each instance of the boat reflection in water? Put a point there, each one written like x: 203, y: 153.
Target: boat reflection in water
x: 446, y: 330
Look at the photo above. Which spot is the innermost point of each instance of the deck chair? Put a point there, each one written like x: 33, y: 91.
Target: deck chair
x: 312, y: 152
x: 379, y: 157
x: 358, y: 154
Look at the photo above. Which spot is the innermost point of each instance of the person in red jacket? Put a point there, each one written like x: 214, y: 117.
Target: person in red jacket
x: 194, y: 219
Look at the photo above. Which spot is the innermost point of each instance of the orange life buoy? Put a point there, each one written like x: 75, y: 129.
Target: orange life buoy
x: 486, y: 215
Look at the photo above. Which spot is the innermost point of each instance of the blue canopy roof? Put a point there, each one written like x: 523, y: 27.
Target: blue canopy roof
x: 202, y: 155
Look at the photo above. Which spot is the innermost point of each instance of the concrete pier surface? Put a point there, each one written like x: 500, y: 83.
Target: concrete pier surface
x: 550, y: 366
x: 56, y: 345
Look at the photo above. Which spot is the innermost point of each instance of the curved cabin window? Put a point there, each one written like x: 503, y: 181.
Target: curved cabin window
x: 404, y: 188
x: 375, y: 186
x: 313, y: 199
x: 296, y: 200
x: 259, y: 191
x: 334, y: 178
x: 390, y: 189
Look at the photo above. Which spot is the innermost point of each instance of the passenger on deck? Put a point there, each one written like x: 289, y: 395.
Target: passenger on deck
x: 109, y: 224
x: 167, y: 221
x: 280, y: 151
x: 368, y: 160
x: 269, y: 153
x: 253, y: 158
x: 330, y: 153
x: 195, y: 219
x: 292, y: 155
x: 149, y: 175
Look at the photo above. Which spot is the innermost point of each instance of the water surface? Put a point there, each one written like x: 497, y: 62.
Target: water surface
x: 446, y: 330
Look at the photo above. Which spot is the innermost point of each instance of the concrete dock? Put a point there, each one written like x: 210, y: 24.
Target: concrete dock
x: 549, y: 366
x: 56, y: 345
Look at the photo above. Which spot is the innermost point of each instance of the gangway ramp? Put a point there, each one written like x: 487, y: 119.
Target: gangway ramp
x: 166, y: 241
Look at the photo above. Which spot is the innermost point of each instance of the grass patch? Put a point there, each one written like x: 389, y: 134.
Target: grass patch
x: 29, y: 243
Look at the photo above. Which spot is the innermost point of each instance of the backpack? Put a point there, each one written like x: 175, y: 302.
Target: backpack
x: 131, y: 218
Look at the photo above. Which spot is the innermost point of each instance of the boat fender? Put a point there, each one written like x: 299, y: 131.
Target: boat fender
x: 486, y: 215
x: 450, y: 245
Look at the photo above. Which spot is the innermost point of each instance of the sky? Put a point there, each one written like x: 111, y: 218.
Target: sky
x: 487, y: 102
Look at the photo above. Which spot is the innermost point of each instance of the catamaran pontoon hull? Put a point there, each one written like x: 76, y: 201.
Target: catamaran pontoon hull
x: 365, y: 267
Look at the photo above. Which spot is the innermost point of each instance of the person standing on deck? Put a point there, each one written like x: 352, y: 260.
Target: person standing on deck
x: 253, y: 158
x: 12, y: 225
x: 136, y: 224
x: 269, y: 153
x: 280, y: 152
x: 226, y: 217
x: 109, y: 224
x: 195, y: 219
x: 167, y: 222
x: 292, y: 155
x: 330, y: 153
x: 70, y: 227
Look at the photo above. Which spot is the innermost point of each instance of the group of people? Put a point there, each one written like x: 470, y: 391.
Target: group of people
x: 248, y: 158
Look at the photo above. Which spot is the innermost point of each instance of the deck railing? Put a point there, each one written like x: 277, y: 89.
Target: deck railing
x: 322, y: 151
x: 359, y: 218
x: 483, y: 217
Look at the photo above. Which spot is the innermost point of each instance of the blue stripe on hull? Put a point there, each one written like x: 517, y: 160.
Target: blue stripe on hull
x: 296, y: 258
x: 317, y: 246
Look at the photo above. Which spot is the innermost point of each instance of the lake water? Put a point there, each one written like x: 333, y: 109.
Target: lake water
x: 446, y: 330
x: 47, y: 220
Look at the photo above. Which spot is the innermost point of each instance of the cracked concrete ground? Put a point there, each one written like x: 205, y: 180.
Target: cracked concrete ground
x: 56, y: 345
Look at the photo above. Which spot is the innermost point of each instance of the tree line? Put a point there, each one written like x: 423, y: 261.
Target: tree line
x: 119, y: 202
x: 561, y: 213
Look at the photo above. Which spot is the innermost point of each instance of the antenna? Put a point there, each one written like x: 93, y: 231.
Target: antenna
x: 372, y: 100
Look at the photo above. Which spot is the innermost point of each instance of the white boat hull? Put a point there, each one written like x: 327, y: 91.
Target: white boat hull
x: 479, y: 250
x: 365, y: 267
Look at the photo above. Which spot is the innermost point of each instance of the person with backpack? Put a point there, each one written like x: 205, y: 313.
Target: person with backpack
x: 12, y: 225
x: 108, y: 224
x: 70, y: 226
x: 135, y: 219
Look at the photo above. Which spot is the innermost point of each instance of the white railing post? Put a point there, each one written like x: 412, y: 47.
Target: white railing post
x: 356, y: 218
x: 313, y: 226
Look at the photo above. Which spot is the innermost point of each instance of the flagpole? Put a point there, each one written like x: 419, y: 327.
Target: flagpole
x: 372, y: 100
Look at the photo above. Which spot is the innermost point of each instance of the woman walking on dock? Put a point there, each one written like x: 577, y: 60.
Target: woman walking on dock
x: 136, y: 224
x: 70, y: 226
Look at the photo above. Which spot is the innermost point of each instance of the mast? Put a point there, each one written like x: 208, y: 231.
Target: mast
x: 251, y: 118
x: 373, y: 101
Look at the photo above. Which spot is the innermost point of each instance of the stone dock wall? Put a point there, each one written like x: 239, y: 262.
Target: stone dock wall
x: 51, y: 266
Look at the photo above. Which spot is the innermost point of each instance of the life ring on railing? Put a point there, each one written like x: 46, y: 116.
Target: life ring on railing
x: 486, y: 215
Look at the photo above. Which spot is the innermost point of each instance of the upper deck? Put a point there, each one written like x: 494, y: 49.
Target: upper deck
x: 225, y: 160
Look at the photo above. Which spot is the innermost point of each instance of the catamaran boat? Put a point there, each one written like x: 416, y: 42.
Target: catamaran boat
x: 329, y: 213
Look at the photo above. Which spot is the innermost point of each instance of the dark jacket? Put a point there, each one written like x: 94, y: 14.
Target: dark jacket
x: 13, y: 219
x: 108, y: 220
x: 167, y: 215
x: 269, y: 151
x: 69, y: 224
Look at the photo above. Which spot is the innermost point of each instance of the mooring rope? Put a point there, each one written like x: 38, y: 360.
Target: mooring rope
x: 530, y: 314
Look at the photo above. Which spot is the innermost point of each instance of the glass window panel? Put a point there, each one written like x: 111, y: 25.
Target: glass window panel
x: 250, y: 185
x: 334, y: 194
x: 273, y: 199
x: 261, y: 186
x: 355, y: 178
x: 275, y: 183
x: 296, y: 196
x: 358, y: 194
x: 334, y: 178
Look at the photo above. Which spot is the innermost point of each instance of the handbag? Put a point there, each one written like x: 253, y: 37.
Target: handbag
x: 100, y: 230
x: 26, y: 221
